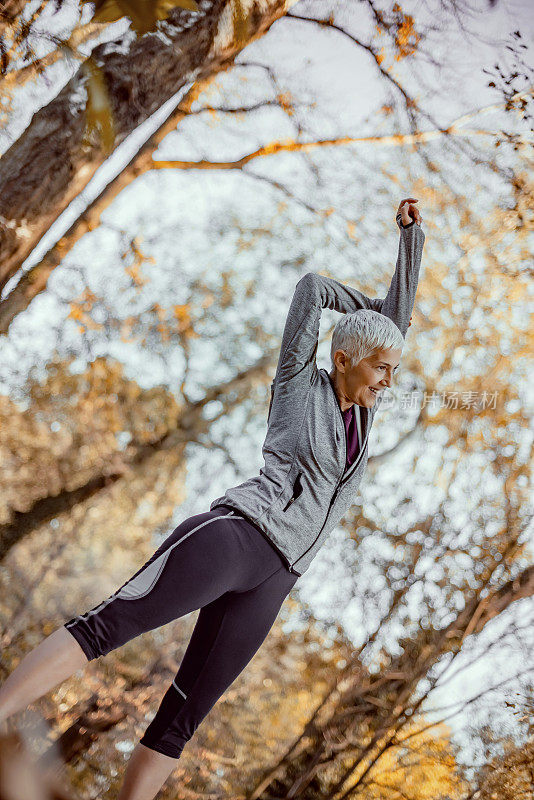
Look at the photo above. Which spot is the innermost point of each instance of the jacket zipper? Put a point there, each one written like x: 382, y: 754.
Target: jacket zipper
x: 292, y: 500
x: 297, y: 491
x: 340, y: 481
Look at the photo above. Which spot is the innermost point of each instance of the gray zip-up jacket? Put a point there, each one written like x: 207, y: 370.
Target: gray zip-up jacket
x: 303, y: 490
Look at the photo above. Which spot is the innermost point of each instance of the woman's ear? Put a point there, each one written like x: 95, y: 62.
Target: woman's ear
x: 341, y: 361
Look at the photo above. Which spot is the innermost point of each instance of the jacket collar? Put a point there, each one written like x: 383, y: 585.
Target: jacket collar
x: 363, y: 429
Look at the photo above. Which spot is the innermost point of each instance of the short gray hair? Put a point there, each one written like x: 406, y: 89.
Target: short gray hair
x: 361, y: 333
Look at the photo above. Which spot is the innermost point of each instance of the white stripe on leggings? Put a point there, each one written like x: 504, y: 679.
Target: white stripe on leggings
x: 179, y: 690
x: 153, y: 580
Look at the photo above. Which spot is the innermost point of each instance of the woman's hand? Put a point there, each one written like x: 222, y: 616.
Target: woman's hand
x: 408, y: 211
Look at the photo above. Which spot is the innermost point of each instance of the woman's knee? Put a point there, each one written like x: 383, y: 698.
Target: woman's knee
x: 76, y: 650
x: 86, y: 639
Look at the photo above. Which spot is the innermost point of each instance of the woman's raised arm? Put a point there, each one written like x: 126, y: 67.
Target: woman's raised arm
x: 399, y: 301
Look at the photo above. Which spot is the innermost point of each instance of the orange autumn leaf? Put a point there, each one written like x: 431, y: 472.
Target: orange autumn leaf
x: 75, y: 312
x: 182, y: 314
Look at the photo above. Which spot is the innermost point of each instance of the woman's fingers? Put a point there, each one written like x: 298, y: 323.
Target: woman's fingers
x: 411, y: 212
x: 415, y: 211
x: 407, y: 200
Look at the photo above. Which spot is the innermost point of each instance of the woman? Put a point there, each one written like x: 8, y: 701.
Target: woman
x: 238, y: 561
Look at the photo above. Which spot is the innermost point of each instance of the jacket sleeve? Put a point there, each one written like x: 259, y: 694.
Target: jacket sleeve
x: 399, y: 301
x: 312, y: 293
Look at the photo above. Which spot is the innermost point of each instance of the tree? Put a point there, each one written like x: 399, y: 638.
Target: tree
x: 52, y: 162
x: 370, y: 715
x: 119, y: 95
x: 92, y: 412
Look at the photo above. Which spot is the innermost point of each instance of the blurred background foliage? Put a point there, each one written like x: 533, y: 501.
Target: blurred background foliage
x: 169, y: 171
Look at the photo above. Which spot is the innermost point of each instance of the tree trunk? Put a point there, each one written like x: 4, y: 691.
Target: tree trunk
x: 34, y: 280
x: 49, y: 165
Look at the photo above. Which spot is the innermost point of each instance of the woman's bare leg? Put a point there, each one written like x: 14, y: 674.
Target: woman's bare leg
x: 51, y: 662
x: 54, y: 660
x: 145, y: 774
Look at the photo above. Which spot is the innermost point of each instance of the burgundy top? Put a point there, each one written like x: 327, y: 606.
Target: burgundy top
x: 351, y: 429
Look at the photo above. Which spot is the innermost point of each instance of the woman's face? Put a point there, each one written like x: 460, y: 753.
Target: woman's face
x: 362, y: 383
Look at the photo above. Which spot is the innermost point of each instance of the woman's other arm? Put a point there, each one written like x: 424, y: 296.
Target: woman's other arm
x: 296, y: 363
x: 399, y: 301
x: 314, y: 292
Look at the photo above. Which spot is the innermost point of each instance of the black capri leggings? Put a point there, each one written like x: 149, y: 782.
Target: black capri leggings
x: 217, y: 562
